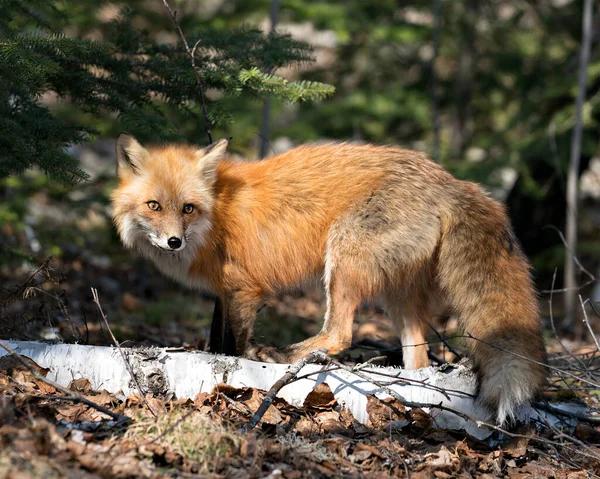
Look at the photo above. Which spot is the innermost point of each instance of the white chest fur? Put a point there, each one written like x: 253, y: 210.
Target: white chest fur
x: 175, y: 266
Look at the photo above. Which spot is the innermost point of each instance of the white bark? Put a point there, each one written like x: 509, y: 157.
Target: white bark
x: 185, y: 374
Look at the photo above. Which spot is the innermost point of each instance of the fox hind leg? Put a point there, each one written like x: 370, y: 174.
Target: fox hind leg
x: 410, y: 321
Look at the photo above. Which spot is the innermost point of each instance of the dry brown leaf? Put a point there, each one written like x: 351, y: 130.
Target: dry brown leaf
x: 581, y: 474
x: 382, y: 412
x: 538, y: 468
x: 445, y: 461
x: 10, y: 364
x: 72, y: 412
x: 158, y: 406
x: 103, y: 398
x: 420, y: 418
x: 336, y: 445
x: 359, y: 456
x: 7, y: 410
x: 133, y: 401
x: 329, y: 422
x: 492, y: 463
x: 306, y: 427
x: 45, y: 389
x: 372, y: 449
x: 320, y: 398
x: 201, y: 399
x: 252, y: 399
x: 587, y: 433
x: 517, y: 446
x: 292, y: 474
x: 248, y: 446
x: 81, y: 385
x: 35, y: 439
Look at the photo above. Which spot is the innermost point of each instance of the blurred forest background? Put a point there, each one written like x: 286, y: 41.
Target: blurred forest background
x: 486, y: 87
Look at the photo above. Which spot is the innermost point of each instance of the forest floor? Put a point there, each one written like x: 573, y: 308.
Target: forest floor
x: 45, y: 434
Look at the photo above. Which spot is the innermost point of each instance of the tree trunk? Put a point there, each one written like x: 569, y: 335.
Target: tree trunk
x: 435, y: 114
x: 464, y: 78
x: 570, y: 280
x: 266, y: 112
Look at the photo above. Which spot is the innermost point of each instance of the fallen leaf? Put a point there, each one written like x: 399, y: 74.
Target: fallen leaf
x: 320, y: 398
x: 420, y: 418
x: 372, y: 449
x: 81, y: 385
x: 7, y: 410
x: 382, y: 412
x: 11, y: 363
x: 329, y: 422
x: 44, y: 388
x: 359, y: 456
x: 445, y: 461
x: 587, y: 433
x: 252, y: 399
x: 201, y: 399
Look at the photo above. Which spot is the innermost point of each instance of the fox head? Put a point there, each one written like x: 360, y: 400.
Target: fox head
x: 164, y: 201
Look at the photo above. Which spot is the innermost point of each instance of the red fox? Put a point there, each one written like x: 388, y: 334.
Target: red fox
x: 378, y: 223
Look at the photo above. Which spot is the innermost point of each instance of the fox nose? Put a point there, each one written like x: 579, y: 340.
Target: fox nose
x: 174, y: 242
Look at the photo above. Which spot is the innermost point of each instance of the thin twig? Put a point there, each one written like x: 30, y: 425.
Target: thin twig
x: 592, y: 278
x: 445, y: 343
x: 581, y: 446
x: 234, y: 404
x: 550, y: 305
x: 579, y: 378
x: 118, y: 346
x: 313, y: 357
x: 368, y: 362
x: 117, y: 417
x: 572, y: 414
x: 192, y: 54
x: 396, y: 380
x: 463, y: 415
x: 587, y: 322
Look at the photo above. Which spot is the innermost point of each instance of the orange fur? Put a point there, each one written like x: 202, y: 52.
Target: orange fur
x: 379, y: 223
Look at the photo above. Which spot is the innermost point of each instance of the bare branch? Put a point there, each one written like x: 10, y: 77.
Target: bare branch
x: 443, y: 340
x: 412, y: 404
x: 587, y: 322
x: 289, y: 376
x: 591, y: 277
x: 550, y: 305
x: 118, y: 346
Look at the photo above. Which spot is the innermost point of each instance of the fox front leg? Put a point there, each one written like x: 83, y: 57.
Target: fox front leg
x: 233, y: 325
x: 222, y: 339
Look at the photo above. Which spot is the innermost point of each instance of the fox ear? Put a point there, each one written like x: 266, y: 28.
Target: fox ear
x: 209, y: 157
x: 130, y: 155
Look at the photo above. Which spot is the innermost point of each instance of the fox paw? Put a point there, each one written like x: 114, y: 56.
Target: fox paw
x: 268, y: 354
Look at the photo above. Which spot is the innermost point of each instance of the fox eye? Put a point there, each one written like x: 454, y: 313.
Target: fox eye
x: 154, y: 205
x: 187, y: 209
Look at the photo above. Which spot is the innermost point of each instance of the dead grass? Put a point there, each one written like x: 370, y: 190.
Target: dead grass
x: 189, y: 433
